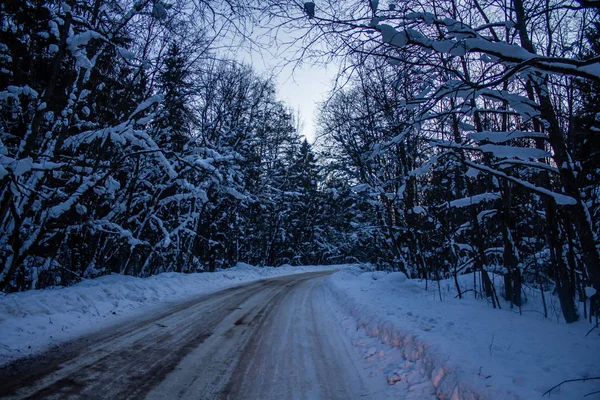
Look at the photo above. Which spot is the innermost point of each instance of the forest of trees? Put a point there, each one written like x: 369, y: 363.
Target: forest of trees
x: 463, y: 135
x: 472, y: 128
x: 128, y: 146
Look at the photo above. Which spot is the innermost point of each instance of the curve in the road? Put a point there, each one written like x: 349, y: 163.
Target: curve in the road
x: 272, y: 339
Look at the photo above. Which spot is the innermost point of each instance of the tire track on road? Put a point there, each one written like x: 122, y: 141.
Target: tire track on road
x: 129, y: 361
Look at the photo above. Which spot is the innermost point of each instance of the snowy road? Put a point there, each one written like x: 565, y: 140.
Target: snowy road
x: 272, y: 339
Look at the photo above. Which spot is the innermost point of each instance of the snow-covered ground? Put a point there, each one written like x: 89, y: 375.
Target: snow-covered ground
x: 464, y: 348
x: 423, y: 347
x: 31, y: 322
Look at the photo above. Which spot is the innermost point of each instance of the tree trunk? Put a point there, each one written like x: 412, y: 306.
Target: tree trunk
x: 579, y: 214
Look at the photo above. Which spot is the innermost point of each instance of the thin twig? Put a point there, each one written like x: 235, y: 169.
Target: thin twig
x: 571, y: 380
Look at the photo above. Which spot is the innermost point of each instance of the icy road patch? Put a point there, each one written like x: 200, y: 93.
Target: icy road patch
x: 31, y: 322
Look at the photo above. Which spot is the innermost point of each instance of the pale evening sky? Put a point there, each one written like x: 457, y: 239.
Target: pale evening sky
x: 302, y: 89
x: 301, y: 86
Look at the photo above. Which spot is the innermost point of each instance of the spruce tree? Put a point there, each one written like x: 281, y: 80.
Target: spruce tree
x: 174, y: 118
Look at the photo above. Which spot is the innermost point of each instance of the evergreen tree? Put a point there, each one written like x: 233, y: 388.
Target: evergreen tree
x: 173, y: 122
x: 304, y: 205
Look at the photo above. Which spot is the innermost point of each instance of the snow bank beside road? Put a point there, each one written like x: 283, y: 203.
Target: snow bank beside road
x: 466, y: 349
x: 32, y: 321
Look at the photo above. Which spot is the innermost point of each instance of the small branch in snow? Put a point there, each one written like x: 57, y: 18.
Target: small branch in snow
x: 591, y: 330
x: 472, y: 290
x: 571, y: 380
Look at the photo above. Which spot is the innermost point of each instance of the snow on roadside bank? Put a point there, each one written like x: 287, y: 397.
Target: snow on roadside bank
x: 32, y: 321
x: 465, y: 348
